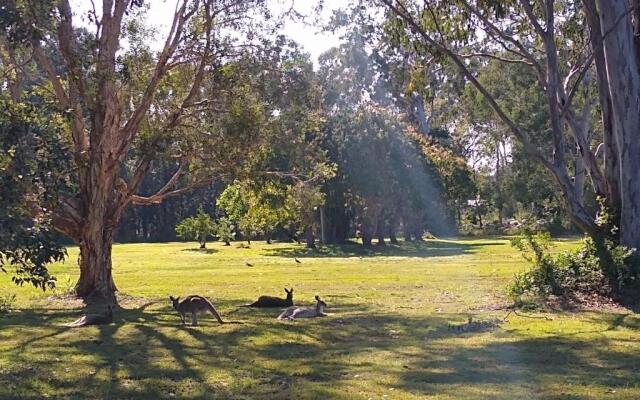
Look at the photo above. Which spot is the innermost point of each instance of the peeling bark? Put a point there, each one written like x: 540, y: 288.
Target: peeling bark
x: 624, y: 88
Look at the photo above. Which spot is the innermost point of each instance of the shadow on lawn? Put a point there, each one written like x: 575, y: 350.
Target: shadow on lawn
x: 147, y: 354
x: 428, y: 248
x: 203, y: 251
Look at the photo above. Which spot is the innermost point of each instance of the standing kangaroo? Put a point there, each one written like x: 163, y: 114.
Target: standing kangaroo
x: 94, y: 319
x: 194, y: 304
x: 304, y: 312
x: 272, y: 302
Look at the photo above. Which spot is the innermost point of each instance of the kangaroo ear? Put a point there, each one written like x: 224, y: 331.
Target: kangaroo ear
x: 171, y: 298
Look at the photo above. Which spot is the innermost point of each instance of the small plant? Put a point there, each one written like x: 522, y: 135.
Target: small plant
x: 199, y: 228
x: 7, y: 303
x: 540, y: 280
x: 225, y: 231
x: 65, y: 286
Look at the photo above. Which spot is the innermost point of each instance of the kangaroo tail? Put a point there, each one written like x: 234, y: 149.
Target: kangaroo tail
x: 213, y: 311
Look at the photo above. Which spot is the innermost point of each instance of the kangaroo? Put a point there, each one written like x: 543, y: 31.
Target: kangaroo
x: 194, y: 304
x: 304, y: 312
x: 94, y: 319
x: 272, y: 302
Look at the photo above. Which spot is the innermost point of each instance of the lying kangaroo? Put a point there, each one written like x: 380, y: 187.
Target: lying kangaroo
x: 194, y: 304
x: 304, y: 312
x: 94, y: 319
x: 272, y: 302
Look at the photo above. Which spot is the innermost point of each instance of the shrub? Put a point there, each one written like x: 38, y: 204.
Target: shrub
x: 7, y: 302
x: 197, y: 228
x: 593, y: 268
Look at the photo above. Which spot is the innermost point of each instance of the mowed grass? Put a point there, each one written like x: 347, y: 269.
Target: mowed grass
x: 388, y: 336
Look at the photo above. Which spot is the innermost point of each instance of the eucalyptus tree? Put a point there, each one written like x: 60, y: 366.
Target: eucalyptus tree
x: 559, y: 42
x: 126, y: 106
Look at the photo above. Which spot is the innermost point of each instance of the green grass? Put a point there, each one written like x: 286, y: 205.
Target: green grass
x: 388, y: 337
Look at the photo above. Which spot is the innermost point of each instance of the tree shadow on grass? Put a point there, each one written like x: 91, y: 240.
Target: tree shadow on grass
x: 147, y: 354
x: 428, y: 248
x: 203, y: 251
x: 617, y: 321
x: 524, y: 368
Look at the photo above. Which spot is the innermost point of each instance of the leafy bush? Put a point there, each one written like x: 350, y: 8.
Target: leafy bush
x: 7, y: 302
x: 197, y: 228
x: 591, y: 269
x: 225, y: 231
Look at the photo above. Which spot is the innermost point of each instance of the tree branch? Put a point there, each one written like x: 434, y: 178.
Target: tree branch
x: 130, y: 129
x: 159, y: 197
x: 495, y: 57
x: 557, y: 168
x: 44, y: 63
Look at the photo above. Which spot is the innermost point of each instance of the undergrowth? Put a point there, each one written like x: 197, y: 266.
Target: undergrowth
x: 592, y: 269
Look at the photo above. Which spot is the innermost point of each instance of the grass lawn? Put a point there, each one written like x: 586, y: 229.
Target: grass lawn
x: 389, y: 334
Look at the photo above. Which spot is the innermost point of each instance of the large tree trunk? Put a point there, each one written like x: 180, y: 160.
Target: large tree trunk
x: 624, y: 88
x: 96, y: 284
x: 609, y: 149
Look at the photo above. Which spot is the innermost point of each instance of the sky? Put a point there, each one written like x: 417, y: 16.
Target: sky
x: 309, y: 37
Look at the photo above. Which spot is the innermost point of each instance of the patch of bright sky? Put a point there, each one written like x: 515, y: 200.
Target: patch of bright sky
x: 306, y: 33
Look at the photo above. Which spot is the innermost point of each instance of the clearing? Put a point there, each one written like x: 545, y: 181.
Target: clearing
x: 396, y: 330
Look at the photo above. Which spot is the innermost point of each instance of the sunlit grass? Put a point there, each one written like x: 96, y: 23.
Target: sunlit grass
x: 388, y: 336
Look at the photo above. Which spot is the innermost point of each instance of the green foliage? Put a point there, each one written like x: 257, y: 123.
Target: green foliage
x: 224, y: 230
x: 259, y: 208
x: 452, y: 169
x: 7, y: 302
x: 541, y: 279
x: 197, y: 228
x: 33, y: 173
x: 591, y: 269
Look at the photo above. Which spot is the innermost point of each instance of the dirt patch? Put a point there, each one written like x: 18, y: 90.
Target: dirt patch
x: 71, y: 301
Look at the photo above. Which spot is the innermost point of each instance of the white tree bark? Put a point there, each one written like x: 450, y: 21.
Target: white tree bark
x: 624, y: 88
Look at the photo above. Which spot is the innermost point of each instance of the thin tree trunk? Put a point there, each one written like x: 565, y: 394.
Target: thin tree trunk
x: 418, y: 231
x: 406, y: 229
x: 310, y: 238
x: 393, y: 225
x: 380, y: 232
x: 580, y: 175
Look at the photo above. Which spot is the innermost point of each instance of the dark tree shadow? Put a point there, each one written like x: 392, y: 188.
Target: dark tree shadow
x: 428, y: 248
x: 203, y: 251
x: 146, y: 353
